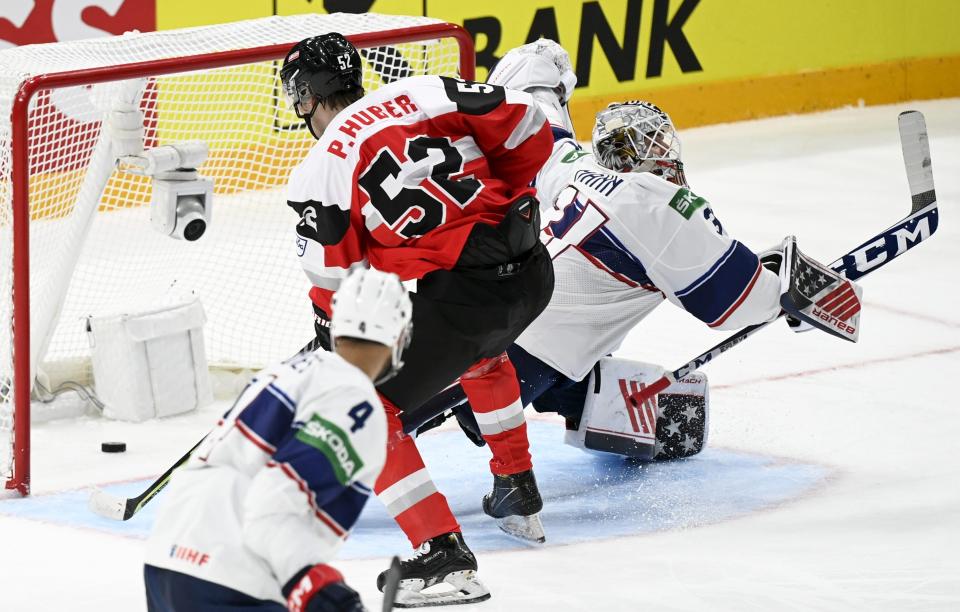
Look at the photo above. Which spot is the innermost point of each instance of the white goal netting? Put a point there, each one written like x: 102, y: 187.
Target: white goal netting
x: 93, y: 252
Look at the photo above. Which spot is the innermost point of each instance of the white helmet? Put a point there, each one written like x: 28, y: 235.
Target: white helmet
x: 635, y: 136
x: 373, y: 305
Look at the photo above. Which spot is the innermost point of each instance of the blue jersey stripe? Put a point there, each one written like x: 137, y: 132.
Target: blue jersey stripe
x: 282, y: 397
x: 268, y: 416
x: 570, y: 215
x: 605, y: 247
x: 710, y: 296
x: 709, y: 273
x: 627, y: 252
x: 342, y: 503
x: 560, y: 133
x: 346, y: 507
x: 359, y: 486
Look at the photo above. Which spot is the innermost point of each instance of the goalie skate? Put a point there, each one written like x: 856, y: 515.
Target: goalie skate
x: 516, y: 504
x: 443, y: 572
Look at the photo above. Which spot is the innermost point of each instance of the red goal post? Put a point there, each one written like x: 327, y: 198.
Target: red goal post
x: 59, y: 264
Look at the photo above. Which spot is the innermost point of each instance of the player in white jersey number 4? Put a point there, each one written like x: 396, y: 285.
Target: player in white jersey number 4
x: 626, y: 233
x: 265, y: 502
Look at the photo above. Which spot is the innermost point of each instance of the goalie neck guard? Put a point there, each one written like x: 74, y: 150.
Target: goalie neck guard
x: 636, y: 136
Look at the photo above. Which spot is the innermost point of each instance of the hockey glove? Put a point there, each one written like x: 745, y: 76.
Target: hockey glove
x: 543, y: 69
x: 817, y: 295
x: 772, y: 259
x: 320, y: 588
x: 468, y: 423
x: 321, y: 324
x: 542, y: 63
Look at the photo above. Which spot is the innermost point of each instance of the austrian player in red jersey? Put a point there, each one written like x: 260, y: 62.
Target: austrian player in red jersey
x: 428, y: 177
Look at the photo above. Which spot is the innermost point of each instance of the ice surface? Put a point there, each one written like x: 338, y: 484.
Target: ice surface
x: 831, y: 481
x: 625, y: 498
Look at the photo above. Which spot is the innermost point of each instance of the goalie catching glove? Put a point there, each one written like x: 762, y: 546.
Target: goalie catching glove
x: 812, y: 294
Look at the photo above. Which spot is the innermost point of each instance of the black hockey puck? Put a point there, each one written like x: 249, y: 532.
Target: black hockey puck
x: 113, y: 447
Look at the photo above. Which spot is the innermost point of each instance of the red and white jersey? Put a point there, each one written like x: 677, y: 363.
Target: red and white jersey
x: 622, y: 243
x: 279, y: 483
x: 400, y: 177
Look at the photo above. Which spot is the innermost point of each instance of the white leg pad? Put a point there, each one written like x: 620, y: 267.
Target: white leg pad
x: 613, y: 422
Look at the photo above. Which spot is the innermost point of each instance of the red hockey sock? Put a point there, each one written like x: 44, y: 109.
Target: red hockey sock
x: 491, y: 386
x: 406, y: 489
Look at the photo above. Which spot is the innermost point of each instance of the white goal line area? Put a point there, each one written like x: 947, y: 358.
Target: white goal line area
x: 89, y: 222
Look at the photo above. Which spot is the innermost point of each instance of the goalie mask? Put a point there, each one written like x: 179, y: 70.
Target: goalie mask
x: 637, y: 136
x: 317, y: 68
x: 374, y: 306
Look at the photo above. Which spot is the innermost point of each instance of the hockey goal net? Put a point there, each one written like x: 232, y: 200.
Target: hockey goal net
x: 75, y: 235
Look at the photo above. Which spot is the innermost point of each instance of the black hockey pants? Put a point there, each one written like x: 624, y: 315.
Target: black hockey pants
x: 502, y: 281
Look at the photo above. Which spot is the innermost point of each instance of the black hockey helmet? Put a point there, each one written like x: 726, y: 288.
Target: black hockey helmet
x: 319, y: 67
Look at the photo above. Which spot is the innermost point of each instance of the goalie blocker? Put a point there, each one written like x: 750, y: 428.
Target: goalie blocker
x: 818, y: 296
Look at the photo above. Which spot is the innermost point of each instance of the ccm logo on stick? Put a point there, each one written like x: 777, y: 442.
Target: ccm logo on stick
x: 894, y: 242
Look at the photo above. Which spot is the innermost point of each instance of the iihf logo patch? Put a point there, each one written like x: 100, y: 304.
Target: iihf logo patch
x: 301, y: 246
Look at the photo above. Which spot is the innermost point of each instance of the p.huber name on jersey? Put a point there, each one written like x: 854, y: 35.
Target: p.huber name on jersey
x: 335, y: 444
x: 396, y: 108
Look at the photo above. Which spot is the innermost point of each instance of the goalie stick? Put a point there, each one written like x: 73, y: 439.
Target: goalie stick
x: 122, y: 509
x: 874, y: 253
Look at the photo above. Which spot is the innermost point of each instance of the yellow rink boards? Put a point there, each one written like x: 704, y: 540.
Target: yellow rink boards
x: 705, y: 61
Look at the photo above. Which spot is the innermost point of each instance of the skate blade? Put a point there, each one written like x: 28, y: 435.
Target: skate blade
x: 459, y: 588
x: 528, y: 529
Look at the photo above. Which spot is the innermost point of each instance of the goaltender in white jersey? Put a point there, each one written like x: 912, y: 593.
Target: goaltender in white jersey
x: 624, y: 230
x: 622, y: 242
x: 625, y: 234
x: 271, y: 494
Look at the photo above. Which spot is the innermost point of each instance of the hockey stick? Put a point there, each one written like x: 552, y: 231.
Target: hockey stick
x: 121, y: 509
x: 392, y: 584
x: 874, y: 253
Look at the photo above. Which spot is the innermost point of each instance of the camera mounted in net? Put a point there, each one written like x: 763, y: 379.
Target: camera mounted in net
x: 182, y: 200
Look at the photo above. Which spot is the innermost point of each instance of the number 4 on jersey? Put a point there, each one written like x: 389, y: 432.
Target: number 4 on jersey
x: 359, y: 413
